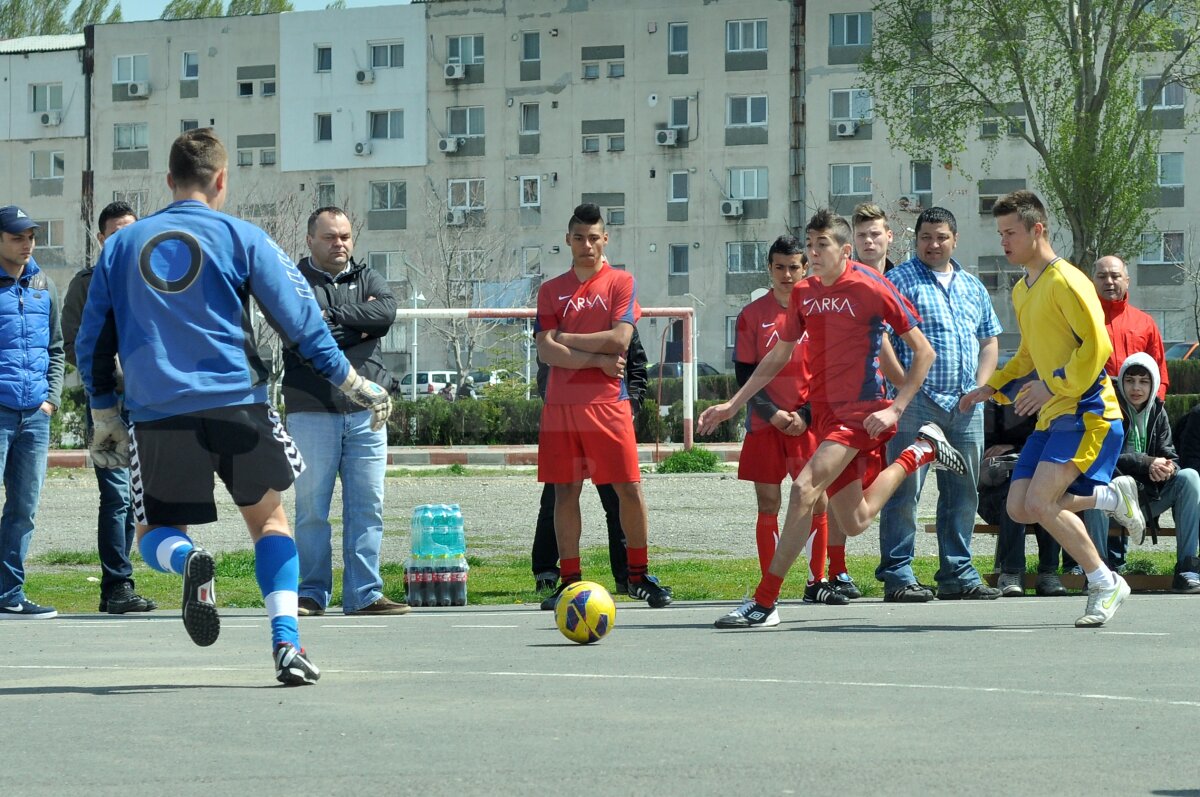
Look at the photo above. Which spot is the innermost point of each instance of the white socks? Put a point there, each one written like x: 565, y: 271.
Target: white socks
x: 1107, y: 498
x: 1103, y: 576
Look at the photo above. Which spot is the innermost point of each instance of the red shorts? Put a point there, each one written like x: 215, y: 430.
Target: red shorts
x: 582, y: 441
x: 843, y: 424
x: 768, y: 455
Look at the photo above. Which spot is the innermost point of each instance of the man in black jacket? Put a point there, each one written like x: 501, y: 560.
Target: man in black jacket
x: 334, y: 436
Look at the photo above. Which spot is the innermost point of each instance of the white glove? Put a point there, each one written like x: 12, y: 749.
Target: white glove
x: 366, y: 393
x: 110, y: 439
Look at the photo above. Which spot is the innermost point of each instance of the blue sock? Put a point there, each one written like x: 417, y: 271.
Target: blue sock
x: 277, y: 567
x: 165, y: 549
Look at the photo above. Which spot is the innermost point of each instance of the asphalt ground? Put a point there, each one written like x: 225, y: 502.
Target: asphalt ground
x: 873, y: 699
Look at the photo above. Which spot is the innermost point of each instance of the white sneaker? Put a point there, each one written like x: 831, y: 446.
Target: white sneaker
x: 1103, y: 603
x: 1011, y: 585
x: 1128, y: 513
x: 749, y: 615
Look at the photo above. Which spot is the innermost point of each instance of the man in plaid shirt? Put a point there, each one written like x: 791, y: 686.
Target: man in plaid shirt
x: 961, y: 325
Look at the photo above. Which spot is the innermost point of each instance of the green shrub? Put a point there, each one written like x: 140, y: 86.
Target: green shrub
x: 1177, y: 405
x: 1184, y: 376
x: 718, y: 388
x: 695, y: 460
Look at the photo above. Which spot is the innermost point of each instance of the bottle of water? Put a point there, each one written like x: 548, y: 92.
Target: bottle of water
x: 458, y: 532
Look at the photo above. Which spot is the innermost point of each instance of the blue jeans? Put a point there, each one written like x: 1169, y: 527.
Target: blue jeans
x: 958, y: 498
x: 114, y: 526
x: 24, y: 445
x: 1180, y: 494
x: 334, y: 443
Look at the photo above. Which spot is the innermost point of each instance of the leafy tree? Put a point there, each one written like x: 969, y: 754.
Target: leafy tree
x: 1065, y: 76
x: 92, y: 12
x: 239, y: 7
x: 193, y: 9
x: 33, y: 18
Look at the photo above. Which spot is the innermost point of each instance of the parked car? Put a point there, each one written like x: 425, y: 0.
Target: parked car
x: 675, y: 370
x: 486, y: 377
x: 1183, y: 351
x: 428, y: 383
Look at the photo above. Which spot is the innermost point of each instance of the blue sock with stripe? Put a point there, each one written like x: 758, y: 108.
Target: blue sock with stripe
x: 277, y: 568
x: 165, y: 549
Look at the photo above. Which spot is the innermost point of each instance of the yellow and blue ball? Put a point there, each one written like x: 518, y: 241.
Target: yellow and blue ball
x: 585, y: 612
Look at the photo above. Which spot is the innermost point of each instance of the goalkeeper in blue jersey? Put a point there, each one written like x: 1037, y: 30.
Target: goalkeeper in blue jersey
x: 172, y: 297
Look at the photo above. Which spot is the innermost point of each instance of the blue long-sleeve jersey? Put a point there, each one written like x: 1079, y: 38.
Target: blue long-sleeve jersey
x: 172, y: 296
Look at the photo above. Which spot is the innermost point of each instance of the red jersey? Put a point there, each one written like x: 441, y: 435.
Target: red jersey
x: 846, y: 323
x: 759, y: 326
x: 597, y: 305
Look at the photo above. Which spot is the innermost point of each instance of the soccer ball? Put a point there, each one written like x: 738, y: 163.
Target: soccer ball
x: 585, y: 612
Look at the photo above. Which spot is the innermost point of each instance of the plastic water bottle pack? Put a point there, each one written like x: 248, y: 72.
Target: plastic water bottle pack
x: 436, y: 572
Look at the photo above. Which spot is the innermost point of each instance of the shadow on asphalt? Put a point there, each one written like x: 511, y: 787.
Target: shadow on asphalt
x: 128, y: 689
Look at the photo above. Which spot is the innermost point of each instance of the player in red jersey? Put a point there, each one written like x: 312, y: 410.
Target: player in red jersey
x: 843, y: 308
x: 778, y: 439
x: 585, y: 320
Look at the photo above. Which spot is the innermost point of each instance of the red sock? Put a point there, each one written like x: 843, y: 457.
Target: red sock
x: 766, y: 536
x: 569, y: 571
x: 814, y: 548
x: 837, y: 560
x: 915, y: 456
x: 768, y: 590
x: 637, y: 564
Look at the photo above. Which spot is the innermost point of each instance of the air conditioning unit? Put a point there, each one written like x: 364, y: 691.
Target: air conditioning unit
x: 456, y: 218
x: 138, y: 89
x: 847, y: 129
x: 731, y: 208
x: 364, y: 76
x: 666, y: 138
x: 51, y: 119
x: 448, y: 144
x: 455, y: 71
x: 909, y: 202
x: 362, y: 148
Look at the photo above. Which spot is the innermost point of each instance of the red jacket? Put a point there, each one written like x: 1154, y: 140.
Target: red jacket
x: 1132, y: 331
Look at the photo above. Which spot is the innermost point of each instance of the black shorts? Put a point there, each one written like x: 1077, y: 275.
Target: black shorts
x: 172, y: 462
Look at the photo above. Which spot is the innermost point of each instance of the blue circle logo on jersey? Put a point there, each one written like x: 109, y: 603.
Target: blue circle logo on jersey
x: 171, y: 261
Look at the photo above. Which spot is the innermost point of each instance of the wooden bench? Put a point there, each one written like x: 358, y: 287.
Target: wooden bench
x: 1138, y: 582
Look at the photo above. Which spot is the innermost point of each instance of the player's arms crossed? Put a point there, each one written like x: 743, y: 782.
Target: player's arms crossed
x: 551, y: 352
x: 612, y: 341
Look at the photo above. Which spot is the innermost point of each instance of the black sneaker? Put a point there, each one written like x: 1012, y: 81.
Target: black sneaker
x: 824, y: 592
x: 308, y: 607
x: 27, y: 610
x: 844, y: 584
x: 909, y: 593
x: 1187, y: 577
x: 200, y: 616
x: 946, y: 456
x: 292, y: 667
x: 551, y: 600
x: 124, y: 600
x: 749, y: 615
x: 650, y: 591
x: 975, y: 592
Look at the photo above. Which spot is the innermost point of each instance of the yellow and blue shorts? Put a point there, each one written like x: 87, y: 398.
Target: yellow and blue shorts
x: 1089, y: 442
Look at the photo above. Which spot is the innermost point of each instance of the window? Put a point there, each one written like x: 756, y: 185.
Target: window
x: 616, y: 69
x: 388, y: 264
x: 46, y: 165
x: 46, y: 97
x: 245, y: 157
x: 747, y: 111
x: 591, y: 143
x: 50, y: 235
x: 730, y: 331
x: 677, y: 258
x: 746, y: 257
x: 1162, y: 248
x: 464, y: 49
x: 531, y: 259
x: 1170, y: 169
x: 677, y: 38
x: 131, y: 68
x: 268, y: 88
x: 266, y: 157
x: 386, y: 55
x: 748, y: 183
x: 531, y: 117
x: 679, y: 113
x: 138, y: 199
x: 742, y: 35
x: 616, y: 216
x: 921, y: 177
x: 531, y: 46
x: 1160, y: 96
x: 188, y: 124
x: 323, y: 58
x: 849, y: 178
x: 326, y: 194
x: 591, y: 71
x: 678, y: 191
x: 130, y: 136
x: 850, y: 104
x: 465, y: 122
x: 531, y: 192
x: 466, y: 194
x: 191, y: 66
x: 616, y: 143
x: 246, y: 88
x: 324, y: 125
x: 389, y: 195
x: 386, y: 124
x: 849, y: 30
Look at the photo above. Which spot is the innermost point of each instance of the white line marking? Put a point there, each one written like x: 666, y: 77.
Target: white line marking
x: 1136, y: 633
x: 351, y: 625
x: 1009, y: 630
x: 485, y: 626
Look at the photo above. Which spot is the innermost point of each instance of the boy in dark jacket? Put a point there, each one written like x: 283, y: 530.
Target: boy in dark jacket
x: 1149, y: 457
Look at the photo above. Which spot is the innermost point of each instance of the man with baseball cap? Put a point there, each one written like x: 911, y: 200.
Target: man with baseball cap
x: 31, y: 374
